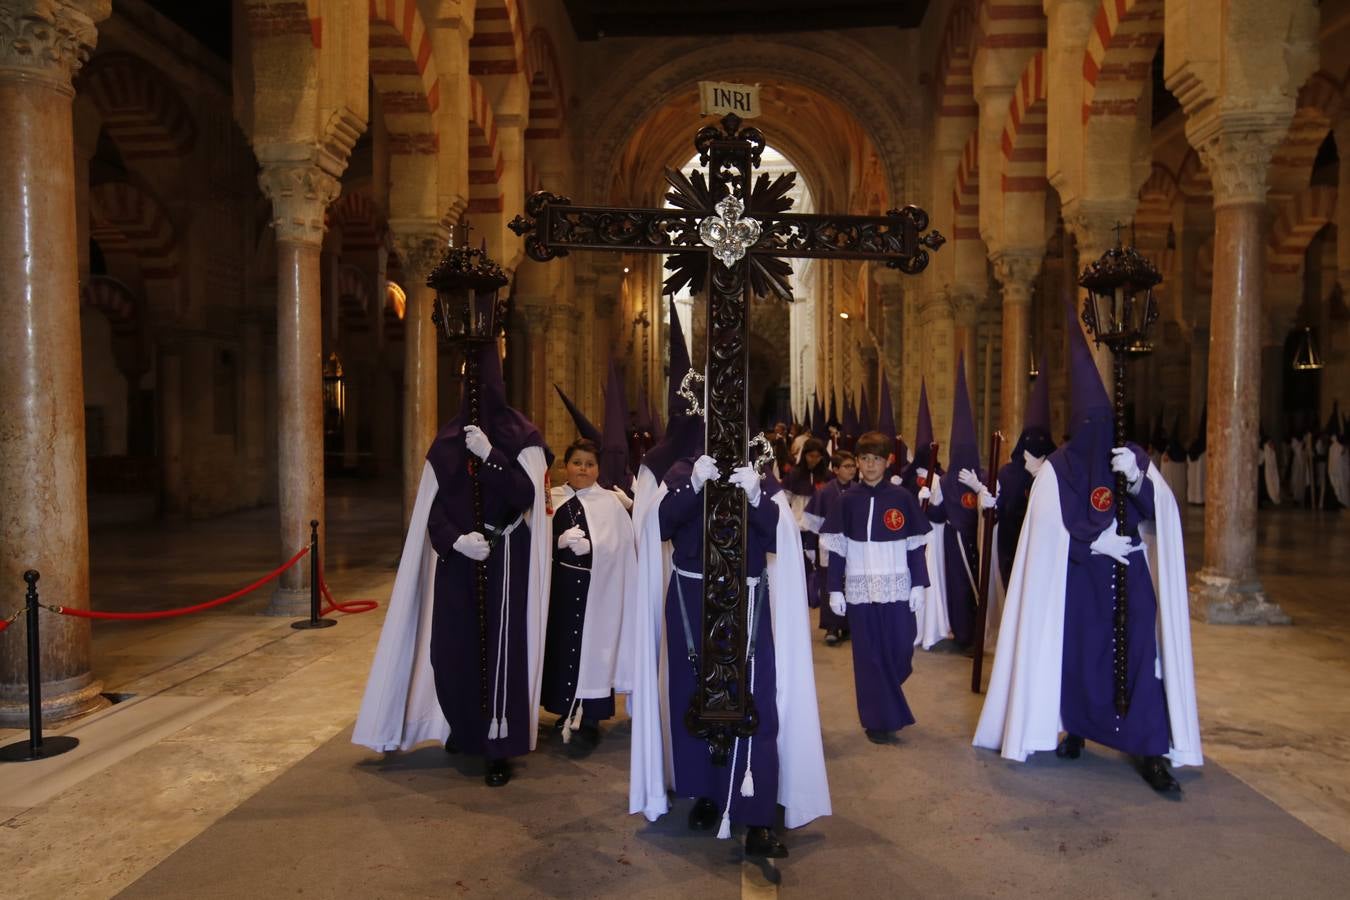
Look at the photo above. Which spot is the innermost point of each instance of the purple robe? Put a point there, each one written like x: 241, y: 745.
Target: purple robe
x: 1087, y: 706
x: 822, y: 503
x: 681, y: 518
x: 507, y: 494
x: 879, y: 618
x: 960, y: 509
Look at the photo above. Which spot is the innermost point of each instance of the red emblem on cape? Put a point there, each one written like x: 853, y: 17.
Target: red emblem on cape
x: 1102, y: 499
x: 894, y: 519
x: 968, y: 500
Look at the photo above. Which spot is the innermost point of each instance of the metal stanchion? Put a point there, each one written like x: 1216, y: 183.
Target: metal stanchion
x: 35, y: 747
x: 314, y: 620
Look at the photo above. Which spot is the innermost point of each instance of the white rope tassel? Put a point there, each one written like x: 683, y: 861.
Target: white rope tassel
x: 571, y: 721
x: 724, y: 831
x: 506, y: 632
x: 497, y: 726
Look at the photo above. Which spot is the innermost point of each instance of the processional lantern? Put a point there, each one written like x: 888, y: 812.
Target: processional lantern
x: 471, y: 315
x: 727, y: 229
x: 1119, y: 311
x: 469, y: 308
x: 1306, y: 357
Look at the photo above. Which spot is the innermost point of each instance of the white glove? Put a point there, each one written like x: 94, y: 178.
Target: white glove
x: 570, y: 536
x: 1116, y: 546
x: 626, y: 500
x: 476, y: 441
x: 1032, y: 462
x: 970, y: 480
x: 936, y: 499
x: 916, y: 595
x: 581, y: 546
x: 924, y: 493
x: 837, y: 604
x: 895, y: 479
x: 473, y: 545
x: 705, y: 470
x: 1123, y: 461
x: 987, y: 500
x: 747, y: 479
x: 810, y: 555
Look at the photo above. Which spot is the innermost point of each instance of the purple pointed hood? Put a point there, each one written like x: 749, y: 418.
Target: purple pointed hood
x: 964, y: 453
x: 923, y: 430
x: 585, y: 427
x: 865, y: 420
x: 1083, y: 464
x: 818, y: 417
x: 1036, y: 435
x: 833, y: 417
x: 1176, y: 451
x: 615, y: 466
x: 1197, y: 448
x: 886, y: 413
x: 850, y: 418
x: 684, y: 433
x: 507, y: 428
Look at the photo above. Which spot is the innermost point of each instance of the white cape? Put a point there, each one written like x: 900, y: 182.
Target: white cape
x: 803, y: 790
x: 1271, y: 466
x: 1338, y: 472
x: 1300, y: 470
x: 993, y: 598
x: 400, y: 709
x: 613, y: 576
x: 1195, y: 481
x: 934, y: 623
x: 1021, y: 709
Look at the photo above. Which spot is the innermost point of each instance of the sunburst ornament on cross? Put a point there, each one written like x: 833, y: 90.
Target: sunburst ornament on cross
x: 728, y: 231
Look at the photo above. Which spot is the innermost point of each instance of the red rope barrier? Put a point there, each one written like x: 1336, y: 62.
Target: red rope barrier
x: 169, y: 613
x: 348, y: 607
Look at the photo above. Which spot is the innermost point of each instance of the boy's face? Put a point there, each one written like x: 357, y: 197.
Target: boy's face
x: 846, y: 471
x: 812, y: 458
x: 872, y: 466
x: 582, y: 470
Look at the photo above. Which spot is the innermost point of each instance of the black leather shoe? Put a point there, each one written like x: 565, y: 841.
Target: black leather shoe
x: 1070, y: 748
x: 703, y: 816
x: 590, y: 732
x: 450, y: 745
x: 844, y: 634
x: 498, y: 772
x: 832, y: 637
x: 1159, y: 777
x: 879, y: 736
x: 761, y: 842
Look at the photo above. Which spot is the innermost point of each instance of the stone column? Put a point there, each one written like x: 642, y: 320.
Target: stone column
x: 419, y: 249
x: 44, y: 522
x: 299, y: 191
x: 1015, y: 272
x: 253, y: 403
x: 965, y: 304
x: 1226, y: 589
x: 533, y: 357
x: 169, y: 388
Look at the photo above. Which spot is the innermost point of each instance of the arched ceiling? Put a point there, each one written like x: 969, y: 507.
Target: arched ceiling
x: 832, y: 151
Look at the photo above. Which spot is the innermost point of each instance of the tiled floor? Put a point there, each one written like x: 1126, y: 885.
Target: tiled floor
x: 223, y: 702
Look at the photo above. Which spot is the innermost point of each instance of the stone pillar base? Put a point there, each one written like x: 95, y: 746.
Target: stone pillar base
x: 61, y: 700
x: 289, y: 603
x: 1219, y: 600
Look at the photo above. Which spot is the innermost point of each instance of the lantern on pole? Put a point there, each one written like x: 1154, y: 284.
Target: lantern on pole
x: 471, y: 314
x: 1119, y: 311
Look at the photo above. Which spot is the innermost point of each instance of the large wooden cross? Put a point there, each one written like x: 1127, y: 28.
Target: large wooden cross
x: 733, y: 238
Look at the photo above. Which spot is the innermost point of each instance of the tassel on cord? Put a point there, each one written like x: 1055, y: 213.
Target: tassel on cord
x: 571, y: 721
x: 724, y: 832
x: 748, y: 782
x: 493, y: 729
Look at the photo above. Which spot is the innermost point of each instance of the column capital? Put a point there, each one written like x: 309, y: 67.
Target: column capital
x: 1236, y: 149
x: 420, y: 244
x: 1015, y: 270
x: 1092, y: 222
x: 49, y: 39
x: 964, y: 302
x: 300, y: 192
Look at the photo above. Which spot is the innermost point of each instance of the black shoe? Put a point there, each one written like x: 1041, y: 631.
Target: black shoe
x: 879, y: 735
x: 763, y: 843
x: 1070, y: 748
x: 703, y: 816
x: 1159, y: 777
x: 498, y: 772
x: 844, y: 634
x: 450, y: 745
x: 832, y: 636
x: 590, y: 732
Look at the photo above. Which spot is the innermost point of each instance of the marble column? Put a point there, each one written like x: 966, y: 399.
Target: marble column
x: 965, y: 304
x: 419, y: 249
x: 44, y: 522
x: 300, y: 191
x: 169, y: 391
x: 1226, y: 589
x: 1015, y: 272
